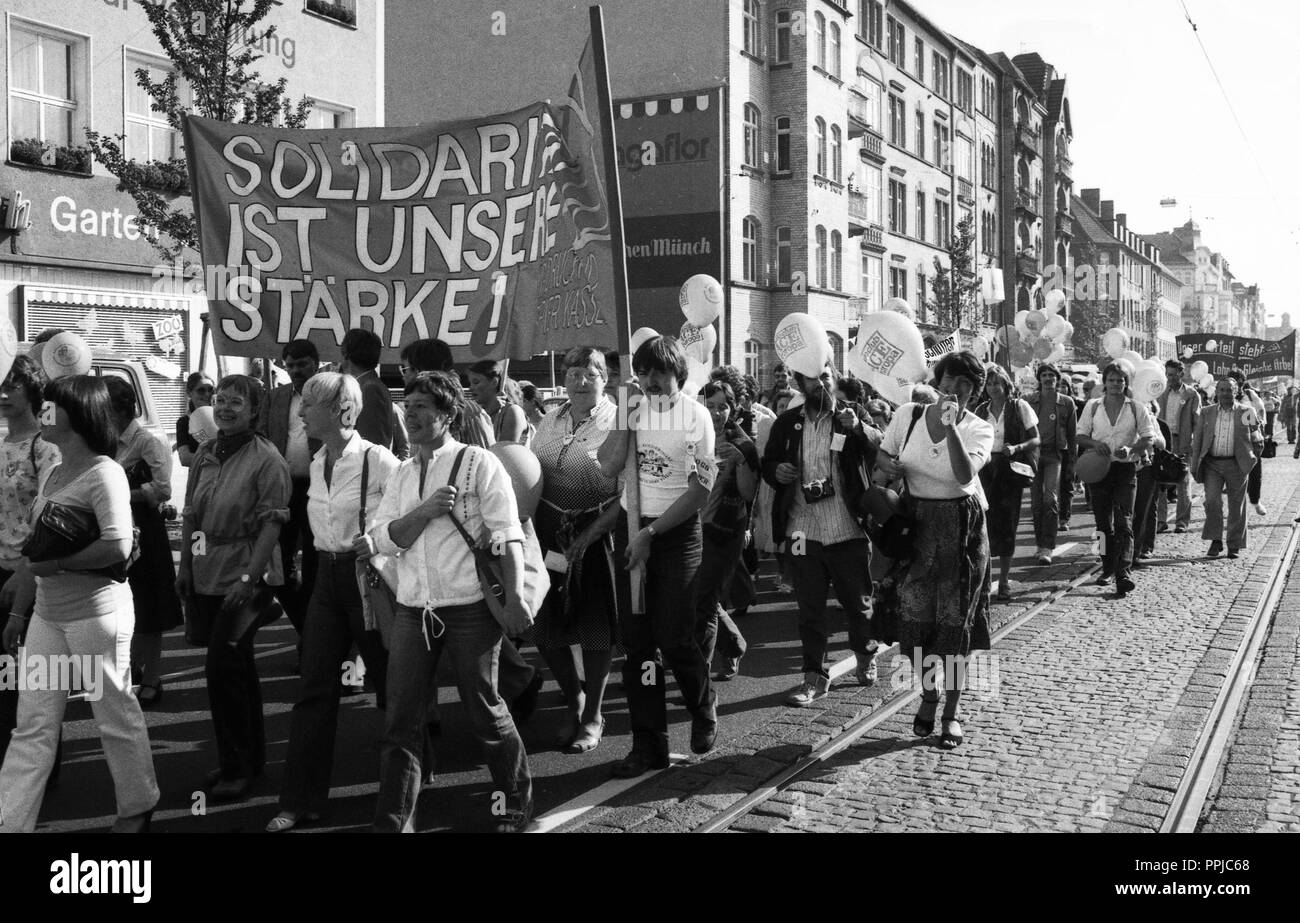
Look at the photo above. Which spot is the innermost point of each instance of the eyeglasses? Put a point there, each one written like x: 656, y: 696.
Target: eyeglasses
x: 576, y: 375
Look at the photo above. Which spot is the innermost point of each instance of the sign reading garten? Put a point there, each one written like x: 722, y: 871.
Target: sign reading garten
x: 491, y: 234
x: 1257, y: 358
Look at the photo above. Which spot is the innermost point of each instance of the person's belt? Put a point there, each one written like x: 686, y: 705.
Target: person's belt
x: 337, y: 557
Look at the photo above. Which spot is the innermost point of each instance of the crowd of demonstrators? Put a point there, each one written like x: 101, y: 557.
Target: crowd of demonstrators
x: 82, y: 612
x: 1015, y: 451
x: 313, y: 471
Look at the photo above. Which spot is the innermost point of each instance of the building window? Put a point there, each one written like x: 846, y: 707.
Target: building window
x: 43, y: 86
x: 753, y: 16
x: 920, y: 134
x: 965, y: 90
x: 919, y: 59
x: 942, y: 223
x: 897, y: 207
x: 750, y: 258
x: 897, y: 122
x: 783, y: 144
x: 837, y: 261
x: 873, y: 12
x: 819, y: 39
x: 942, y: 146
x: 920, y: 214
x: 753, y: 350
x: 941, y: 87
x: 920, y: 295
x: 820, y: 141
x: 753, y: 125
x: 988, y: 166
x: 819, y: 257
x: 897, y: 282
x: 149, y: 136
x: 328, y: 115
x: 782, y: 36
x: 871, y: 90
x: 836, y: 154
x: 965, y: 158
x: 989, y: 97
x: 897, y: 43
x: 784, y: 258
x: 835, y: 51
x: 873, y: 268
x: 872, y: 178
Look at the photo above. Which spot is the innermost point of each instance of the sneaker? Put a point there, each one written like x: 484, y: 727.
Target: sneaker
x: 1044, y: 555
x: 785, y: 589
x: 1232, y: 552
x: 1180, y: 529
x: 1125, y: 585
x: 1162, y: 527
x: 1261, y: 509
x: 516, y: 820
x: 807, y: 694
x: 868, y: 675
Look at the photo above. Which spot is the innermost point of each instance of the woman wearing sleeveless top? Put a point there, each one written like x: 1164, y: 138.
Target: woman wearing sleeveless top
x: 1013, y: 434
x: 500, y: 399
x: 1119, y: 428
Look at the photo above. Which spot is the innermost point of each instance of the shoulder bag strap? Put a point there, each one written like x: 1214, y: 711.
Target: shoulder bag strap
x: 917, y: 413
x: 365, y: 485
x: 451, y: 482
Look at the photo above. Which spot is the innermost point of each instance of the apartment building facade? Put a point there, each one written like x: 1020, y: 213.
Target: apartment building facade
x: 73, y: 252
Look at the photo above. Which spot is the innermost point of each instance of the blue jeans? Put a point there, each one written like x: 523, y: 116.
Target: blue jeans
x: 714, y: 627
x: 1043, y: 498
x: 664, y: 633
x: 1113, y: 498
x: 473, y: 641
x: 334, y: 622
x: 821, y: 567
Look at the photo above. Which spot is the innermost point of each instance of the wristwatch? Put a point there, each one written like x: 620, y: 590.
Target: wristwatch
x: 245, y: 578
x: 651, y: 529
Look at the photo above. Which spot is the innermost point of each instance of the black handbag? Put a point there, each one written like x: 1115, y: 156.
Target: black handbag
x: 62, y: 530
x: 894, y: 537
x: 1270, y: 449
x: 1168, y: 467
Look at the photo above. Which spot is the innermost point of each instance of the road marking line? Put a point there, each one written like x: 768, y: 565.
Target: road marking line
x: 595, y: 797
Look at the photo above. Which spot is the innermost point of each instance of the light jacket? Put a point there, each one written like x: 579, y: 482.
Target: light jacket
x: 1242, y: 447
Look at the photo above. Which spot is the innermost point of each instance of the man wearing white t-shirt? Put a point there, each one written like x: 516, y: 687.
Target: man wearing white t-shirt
x: 674, y: 447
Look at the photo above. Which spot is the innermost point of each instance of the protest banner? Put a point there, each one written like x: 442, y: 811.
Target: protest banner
x: 941, y: 347
x: 498, y: 235
x: 1222, y: 353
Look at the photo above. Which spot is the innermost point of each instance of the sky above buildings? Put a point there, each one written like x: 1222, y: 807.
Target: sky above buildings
x: 1151, y: 123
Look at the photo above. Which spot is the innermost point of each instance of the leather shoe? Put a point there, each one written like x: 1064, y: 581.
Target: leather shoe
x: 704, y: 734
x: 637, y: 763
x: 1216, y: 549
x: 232, y: 789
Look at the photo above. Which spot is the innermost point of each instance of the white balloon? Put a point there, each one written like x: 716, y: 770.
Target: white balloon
x: 1114, y: 342
x: 980, y: 346
x: 1134, y: 358
x: 701, y: 299
x: 697, y: 375
x: 1211, y: 345
x: 1055, y: 328
x: 802, y: 344
x: 1021, y: 324
x: 640, y: 335
x: 8, y: 346
x: 889, y: 355
x: 1057, y: 353
x: 1199, y: 369
x: 203, y: 425
x: 1068, y: 334
x: 1128, y: 367
x: 1053, y: 301
x: 1207, y: 382
x: 698, y: 341
x: 1148, y: 383
x: 66, y: 354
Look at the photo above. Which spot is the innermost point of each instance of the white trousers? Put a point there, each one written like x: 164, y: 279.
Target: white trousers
x: 105, y: 642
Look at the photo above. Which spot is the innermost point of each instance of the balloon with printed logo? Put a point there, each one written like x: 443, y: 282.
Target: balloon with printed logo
x: 1035, y: 321
x: 8, y: 346
x: 1148, y: 383
x: 203, y: 425
x: 1022, y: 323
x: 1053, y: 302
x: 698, y: 341
x: 525, y: 475
x: 701, y: 299
x: 802, y: 343
x: 1054, y: 328
x: 640, y: 335
x: 1114, y: 341
x: 979, y: 345
x: 889, y: 355
x: 66, y: 354
x: 35, y: 355
x: 1042, y: 348
x: 697, y: 375
x: 1199, y: 369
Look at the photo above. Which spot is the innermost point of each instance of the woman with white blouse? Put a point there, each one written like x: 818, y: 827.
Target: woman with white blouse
x: 1121, y: 429
x: 1015, y: 439
x: 935, y: 604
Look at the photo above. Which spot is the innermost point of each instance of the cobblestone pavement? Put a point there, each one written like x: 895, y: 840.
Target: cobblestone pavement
x: 1090, y: 713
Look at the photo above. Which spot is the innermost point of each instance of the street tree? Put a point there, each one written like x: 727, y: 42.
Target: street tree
x: 1095, y: 308
x: 209, y: 43
x: 955, y: 288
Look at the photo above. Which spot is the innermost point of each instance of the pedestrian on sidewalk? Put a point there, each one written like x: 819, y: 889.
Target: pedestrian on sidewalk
x: 1223, y: 455
x: 675, y: 472
x: 1056, y: 428
x: 82, y: 614
x: 1179, y: 408
x: 814, y: 461
x: 441, y: 604
x: 1288, y: 412
x: 1118, y: 427
x: 1015, y: 442
x: 724, y: 523
x: 1255, y: 482
x: 935, y: 604
x: 1144, y: 504
x: 347, y: 477
x: 1068, y: 487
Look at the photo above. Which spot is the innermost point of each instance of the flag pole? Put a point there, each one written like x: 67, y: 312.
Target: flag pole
x: 622, y: 312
